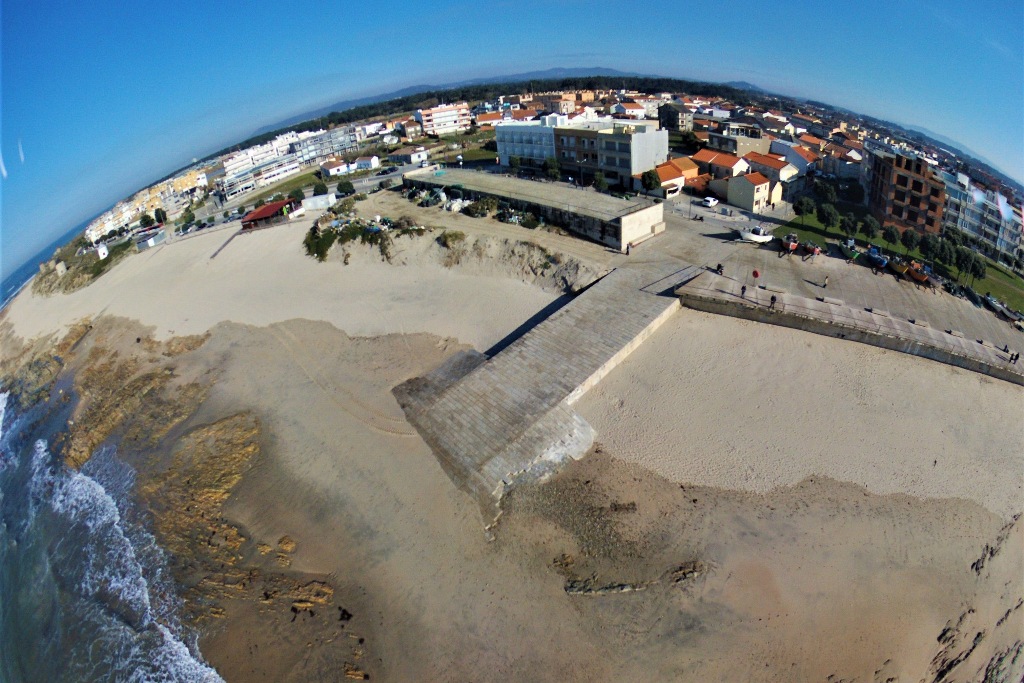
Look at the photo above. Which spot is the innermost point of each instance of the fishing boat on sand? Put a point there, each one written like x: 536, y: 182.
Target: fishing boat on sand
x: 918, y: 272
x: 811, y: 249
x: 790, y: 243
x: 877, y: 258
x: 849, y: 250
x: 899, y: 266
x: 758, y: 234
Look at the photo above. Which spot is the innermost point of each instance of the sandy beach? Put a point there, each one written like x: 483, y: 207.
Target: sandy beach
x: 762, y: 504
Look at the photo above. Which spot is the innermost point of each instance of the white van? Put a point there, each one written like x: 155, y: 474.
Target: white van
x: 710, y: 201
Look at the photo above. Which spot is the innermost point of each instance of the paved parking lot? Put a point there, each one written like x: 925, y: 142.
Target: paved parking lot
x: 713, y: 241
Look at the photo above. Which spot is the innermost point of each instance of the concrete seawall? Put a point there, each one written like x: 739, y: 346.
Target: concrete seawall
x: 832, y: 318
x: 497, y: 422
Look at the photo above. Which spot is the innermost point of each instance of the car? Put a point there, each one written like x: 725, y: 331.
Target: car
x: 710, y: 201
x: 384, y: 171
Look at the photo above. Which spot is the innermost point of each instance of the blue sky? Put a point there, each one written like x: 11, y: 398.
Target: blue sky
x: 102, y: 98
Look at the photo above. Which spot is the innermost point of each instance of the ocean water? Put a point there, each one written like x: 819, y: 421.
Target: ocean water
x: 85, y: 591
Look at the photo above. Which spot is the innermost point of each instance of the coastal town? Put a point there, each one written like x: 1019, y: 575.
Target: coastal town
x: 670, y: 375
x: 867, y: 190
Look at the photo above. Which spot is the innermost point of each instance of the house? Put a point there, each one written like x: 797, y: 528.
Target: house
x: 367, y: 163
x: 673, y: 174
x: 774, y: 167
x: 814, y: 143
x: 334, y: 167
x: 719, y: 164
x: 801, y: 157
x: 750, y: 192
x: 411, y: 129
x: 408, y: 155
x: 674, y: 116
x: 630, y: 110
x: 489, y: 118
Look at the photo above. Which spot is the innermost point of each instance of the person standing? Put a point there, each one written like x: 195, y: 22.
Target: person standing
x: 825, y: 285
x: 743, y: 292
x: 772, y: 304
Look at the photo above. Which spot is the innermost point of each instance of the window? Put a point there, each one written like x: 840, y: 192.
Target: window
x: 930, y: 222
x: 918, y: 186
x: 902, y: 180
x: 900, y: 196
x: 912, y: 216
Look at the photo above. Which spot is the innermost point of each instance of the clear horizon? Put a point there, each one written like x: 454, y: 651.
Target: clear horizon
x: 133, y: 93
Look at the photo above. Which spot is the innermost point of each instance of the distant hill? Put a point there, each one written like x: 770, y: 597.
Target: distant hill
x: 546, y: 75
x: 744, y: 85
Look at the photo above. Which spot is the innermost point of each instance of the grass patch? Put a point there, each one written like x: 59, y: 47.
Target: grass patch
x: 478, y: 154
x: 451, y: 238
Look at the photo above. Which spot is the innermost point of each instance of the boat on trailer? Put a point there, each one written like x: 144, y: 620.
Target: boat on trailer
x: 758, y: 234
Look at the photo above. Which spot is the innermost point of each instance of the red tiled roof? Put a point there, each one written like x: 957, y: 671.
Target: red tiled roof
x: 811, y: 140
x: 755, y: 178
x: 808, y: 155
x: 489, y: 116
x: 765, y: 160
x: 265, y: 211
x: 710, y: 156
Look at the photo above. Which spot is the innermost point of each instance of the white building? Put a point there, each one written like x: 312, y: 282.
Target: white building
x: 531, y: 141
x: 444, y: 119
x: 367, y: 163
x: 335, y: 167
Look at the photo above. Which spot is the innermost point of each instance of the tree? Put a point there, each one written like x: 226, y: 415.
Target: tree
x: 146, y: 220
x: 345, y: 188
x: 963, y: 260
x: 514, y: 163
x: 226, y: 214
x: 828, y: 216
x: 978, y: 269
x: 650, y: 180
x: 955, y: 237
x: 928, y: 246
x: 826, y: 191
x: 870, y: 227
x: 160, y: 215
x: 804, y: 206
x: 319, y: 188
x: 854, y: 193
x: 259, y: 202
x: 909, y: 240
x: 297, y: 194
x: 188, y: 217
x: 241, y: 209
x: 600, y: 184
x: 849, y: 224
x: 946, y: 253
x: 551, y: 168
x: 691, y: 141
x: 891, y: 235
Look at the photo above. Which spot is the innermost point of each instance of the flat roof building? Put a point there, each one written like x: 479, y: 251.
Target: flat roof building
x: 609, y: 220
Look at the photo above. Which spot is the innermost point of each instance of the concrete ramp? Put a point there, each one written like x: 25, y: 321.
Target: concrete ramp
x: 498, y: 422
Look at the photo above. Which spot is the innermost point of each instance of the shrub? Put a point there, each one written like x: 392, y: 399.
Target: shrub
x: 529, y: 221
x: 318, y: 242
x: 451, y: 238
x: 360, y: 197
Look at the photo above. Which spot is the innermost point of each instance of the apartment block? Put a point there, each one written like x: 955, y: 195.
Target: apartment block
x: 319, y: 148
x: 444, y: 119
x: 984, y: 214
x: 904, y: 190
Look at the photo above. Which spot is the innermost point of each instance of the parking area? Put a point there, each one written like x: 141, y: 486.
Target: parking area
x: 713, y: 241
